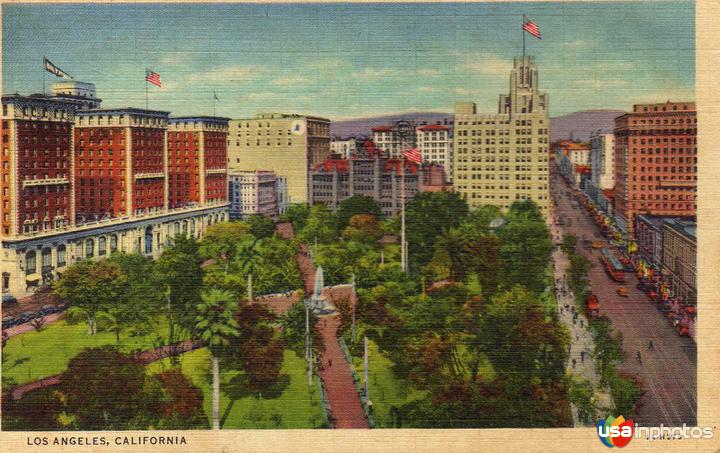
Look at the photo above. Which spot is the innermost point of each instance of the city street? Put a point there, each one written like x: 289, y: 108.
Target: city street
x: 667, y: 373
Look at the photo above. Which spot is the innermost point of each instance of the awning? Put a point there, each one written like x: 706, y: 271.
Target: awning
x: 32, y: 277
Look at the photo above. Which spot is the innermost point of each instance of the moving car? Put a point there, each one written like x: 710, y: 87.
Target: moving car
x: 622, y: 291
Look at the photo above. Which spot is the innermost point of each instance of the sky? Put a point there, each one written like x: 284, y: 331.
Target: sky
x: 353, y: 60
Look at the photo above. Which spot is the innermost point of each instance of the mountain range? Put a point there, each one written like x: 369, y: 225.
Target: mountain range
x: 576, y: 125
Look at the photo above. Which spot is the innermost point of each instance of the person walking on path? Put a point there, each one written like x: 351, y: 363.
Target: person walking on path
x: 651, y: 346
x: 639, y: 357
x: 573, y: 362
x: 329, y: 363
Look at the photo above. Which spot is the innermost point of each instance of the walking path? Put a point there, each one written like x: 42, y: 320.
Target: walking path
x: 27, y: 327
x: 345, y: 407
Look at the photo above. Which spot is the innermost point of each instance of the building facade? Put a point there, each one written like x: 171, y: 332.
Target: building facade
x: 656, y: 161
x: 253, y: 192
x: 82, y: 183
x: 435, y: 145
x: 72, y: 90
x: 503, y: 157
x: 343, y: 147
x: 679, y: 259
x: 393, y: 140
x: 648, y: 234
x: 289, y: 144
x: 370, y: 173
x: 282, y: 194
x: 602, y: 160
x: 197, y: 156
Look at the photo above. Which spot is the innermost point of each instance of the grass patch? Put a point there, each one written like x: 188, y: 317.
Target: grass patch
x: 386, y: 390
x: 33, y: 355
x: 290, y: 404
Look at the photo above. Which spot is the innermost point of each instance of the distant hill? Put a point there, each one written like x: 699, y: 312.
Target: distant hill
x: 579, y: 124
x: 362, y: 126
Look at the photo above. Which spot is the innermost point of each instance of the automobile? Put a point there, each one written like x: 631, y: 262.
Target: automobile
x: 8, y: 301
x: 8, y: 321
x: 597, y: 245
x: 652, y: 295
x: 48, y: 309
x: 27, y: 316
x: 622, y: 291
x: 62, y: 306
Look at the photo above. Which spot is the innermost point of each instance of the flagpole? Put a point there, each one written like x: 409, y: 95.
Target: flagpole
x: 146, y: 90
x: 522, y: 30
x: 43, y: 73
x: 214, y: 99
x: 403, y: 255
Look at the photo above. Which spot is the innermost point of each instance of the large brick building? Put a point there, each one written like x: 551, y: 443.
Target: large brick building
x: 37, y: 161
x: 83, y: 183
x: 656, y: 162
x: 197, y: 160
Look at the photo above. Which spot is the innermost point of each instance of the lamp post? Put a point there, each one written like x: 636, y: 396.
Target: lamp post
x: 353, y: 299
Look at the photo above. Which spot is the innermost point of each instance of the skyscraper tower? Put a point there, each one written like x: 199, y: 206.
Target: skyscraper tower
x: 500, y: 158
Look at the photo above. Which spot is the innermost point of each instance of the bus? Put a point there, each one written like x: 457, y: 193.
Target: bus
x: 612, y: 265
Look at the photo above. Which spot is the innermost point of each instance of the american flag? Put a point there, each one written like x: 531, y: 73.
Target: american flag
x: 153, y: 77
x: 413, y: 155
x: 532, y: 28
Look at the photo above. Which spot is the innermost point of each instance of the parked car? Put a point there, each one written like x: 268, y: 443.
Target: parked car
x: 48, y: 309
x: 8, y: 321
x: 8, y: 301
x: 27, y: 316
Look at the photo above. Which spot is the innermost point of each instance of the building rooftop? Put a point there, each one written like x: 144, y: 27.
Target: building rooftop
x: 433, y: 127
x: 687, y: 228
x: 123, y: 110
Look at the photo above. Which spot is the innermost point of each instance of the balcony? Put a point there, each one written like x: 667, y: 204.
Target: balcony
x: 157, y: 174
x: 44, y: 182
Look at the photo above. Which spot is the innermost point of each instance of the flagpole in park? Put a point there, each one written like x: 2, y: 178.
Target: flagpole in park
x: 403, y: 264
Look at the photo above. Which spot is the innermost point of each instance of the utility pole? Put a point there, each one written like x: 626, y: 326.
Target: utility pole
x: 403, y: 245
x: 354, y: 300
x: 365, y: 371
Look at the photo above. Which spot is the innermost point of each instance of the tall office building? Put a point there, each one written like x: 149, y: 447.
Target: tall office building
x: 503, y: 157
x: 290, y: 145
x: 655, y: 162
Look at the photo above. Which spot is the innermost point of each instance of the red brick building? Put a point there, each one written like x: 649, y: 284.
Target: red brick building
x: 656, y: 161
x: 197, y: 159
x: 120, y: 162
x: 37, y: 185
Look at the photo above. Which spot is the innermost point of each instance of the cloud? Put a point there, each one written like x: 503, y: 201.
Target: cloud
x: 578, y: 44
x: 292, y: 80
x: 491, y: 65
x: 231, y: 73
x: 375, y: 73
x: 174, y: 58
x: 428, y: 72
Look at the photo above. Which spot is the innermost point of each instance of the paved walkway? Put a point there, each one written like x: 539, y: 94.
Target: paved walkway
x: 668, y: 374
x: 27, y: 327
x: 345, y: 407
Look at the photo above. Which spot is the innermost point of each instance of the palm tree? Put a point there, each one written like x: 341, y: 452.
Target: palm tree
x: 454, y: 243
x: 215, y: 324
x: 249, y: 258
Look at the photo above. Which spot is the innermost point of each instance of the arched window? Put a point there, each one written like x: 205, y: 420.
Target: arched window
x: 102, y: 245
x: 185, y: 228
x: 192, y: 227
x: 176, y: 228
x: 30, y: 262
x: 113, y: 243
x: 89, y: 248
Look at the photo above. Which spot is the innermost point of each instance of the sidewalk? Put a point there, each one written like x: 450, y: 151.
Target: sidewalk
x: 581, y: 341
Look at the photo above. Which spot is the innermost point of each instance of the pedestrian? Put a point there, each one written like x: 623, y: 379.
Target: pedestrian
x: 573, y: 362
x: 582, y: 356
x: 651, y: 347
x: 639, y: 357
x: 581, y: 323
x: 329, y: 363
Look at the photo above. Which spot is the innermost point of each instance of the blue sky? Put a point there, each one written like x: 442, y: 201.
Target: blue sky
x: 354, y: 60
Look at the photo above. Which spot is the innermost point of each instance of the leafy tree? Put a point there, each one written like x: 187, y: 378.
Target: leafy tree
x: 261, y: 226
x: 525, y: 249
x: 174, y: 402
x: 484, y: 261
x: 215, y: 326
x: 426, y: 216
x: 355, y: 205
x: 103, y: 388
x: 363, y: 228
x: 297, y: 214
x: 180, y: 279
x: 91, y: 287
x: 321, y: 224
x: 37, y: 410
x: 256, y: 349
x: 292, y: 331
x: 455, y: 246
x: 478, y: 221
x: 136, y: 308
x: 221, y: 241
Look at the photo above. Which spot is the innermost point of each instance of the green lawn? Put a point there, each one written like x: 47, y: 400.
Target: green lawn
x: 33, y: 355
x: 293, y: 404
x: 386, y: 390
